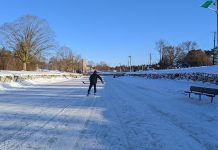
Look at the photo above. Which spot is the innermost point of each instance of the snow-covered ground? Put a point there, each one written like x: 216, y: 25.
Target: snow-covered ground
x: 32, y: 73
x: 203, y: 69
x: 128, y: 113
x: 33, y: 77
x: 26, y: 83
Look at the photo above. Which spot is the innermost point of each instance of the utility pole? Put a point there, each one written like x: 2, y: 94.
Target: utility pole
x: 120, y: 67
x: 217, y: 22
x: 150, y: 59
x: 207, y: 5
x: 160, y: 54
x: 130, y: 64
x: 214, y: 48
x: 214, y: 40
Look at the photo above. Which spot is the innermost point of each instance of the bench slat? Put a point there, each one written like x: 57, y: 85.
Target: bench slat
x: 210, y: 92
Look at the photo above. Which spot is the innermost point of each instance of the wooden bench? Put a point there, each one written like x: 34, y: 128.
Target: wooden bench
x: 210, y: 92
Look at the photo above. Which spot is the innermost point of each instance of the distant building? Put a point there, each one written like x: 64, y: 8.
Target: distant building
x: 84, y: 66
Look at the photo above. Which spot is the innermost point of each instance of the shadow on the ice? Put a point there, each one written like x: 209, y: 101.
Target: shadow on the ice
x: 40, y: 114
x: 71, y: 122
x: 53, y: 115
x: 38, y: 95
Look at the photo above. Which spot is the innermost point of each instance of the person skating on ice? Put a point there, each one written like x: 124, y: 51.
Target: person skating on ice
x: 93, y: 81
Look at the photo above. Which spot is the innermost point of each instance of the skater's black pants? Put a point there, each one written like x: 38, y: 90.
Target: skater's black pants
x: 90, y: 86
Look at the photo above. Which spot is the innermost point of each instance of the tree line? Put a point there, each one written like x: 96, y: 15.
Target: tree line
x: 183, y: 55
x: 186, y: 54
x: 27, y: 43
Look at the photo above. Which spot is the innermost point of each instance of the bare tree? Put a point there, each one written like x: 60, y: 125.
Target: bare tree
x: 66, y: 60
x: 27, y: 37
x: 102, y: 66
x: 91, y: 64
x: 172, y: 56
x: 160, y: 46
x: 78, y: 63
x: 53, y: 63
x: 188, y: 46
x: 167, y: 56
x: 179, y: 56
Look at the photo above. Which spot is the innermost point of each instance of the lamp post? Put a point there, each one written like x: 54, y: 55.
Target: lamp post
x: 120, y: 67
x: 216, y: 51
x: 214, y: 48
x: 130, y: 67
x: 207, y: 5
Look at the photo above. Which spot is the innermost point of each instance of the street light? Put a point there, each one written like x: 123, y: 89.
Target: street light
x: 207, y: 5
x: 120, y: 67
x: 130, y: 64
x: 214, y: 48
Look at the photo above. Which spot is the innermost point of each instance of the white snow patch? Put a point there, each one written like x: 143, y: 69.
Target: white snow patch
x: 203, y: 69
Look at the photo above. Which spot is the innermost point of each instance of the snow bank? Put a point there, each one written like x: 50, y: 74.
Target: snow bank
x: 7, y: 76
x: 15, y: 79
x: 204, y: 74
x: 33, y: 73
x: 203, y: 69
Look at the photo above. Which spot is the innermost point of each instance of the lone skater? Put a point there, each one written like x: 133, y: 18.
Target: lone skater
x: 93, y: 81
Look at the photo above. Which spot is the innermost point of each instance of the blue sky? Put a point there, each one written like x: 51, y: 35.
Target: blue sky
x: 111, y: 30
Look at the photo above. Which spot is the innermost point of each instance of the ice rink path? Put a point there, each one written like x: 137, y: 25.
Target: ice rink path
x: 126, y: 114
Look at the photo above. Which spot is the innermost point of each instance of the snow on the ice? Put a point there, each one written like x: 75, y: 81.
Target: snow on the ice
x: 31, y: 73
x: 19, y: 84
x: 127, y: 113
x: 183, y: 123
x: 203, y: 69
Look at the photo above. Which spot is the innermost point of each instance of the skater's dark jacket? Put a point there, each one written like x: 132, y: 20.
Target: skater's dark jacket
x: 93, y: 78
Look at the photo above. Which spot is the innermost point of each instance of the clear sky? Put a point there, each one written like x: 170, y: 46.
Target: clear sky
x: 111, y: 30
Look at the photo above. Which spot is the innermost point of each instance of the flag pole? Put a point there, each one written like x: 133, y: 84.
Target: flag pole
x: 207, y: 5
x: 215, y: 51
x: 217, y: 24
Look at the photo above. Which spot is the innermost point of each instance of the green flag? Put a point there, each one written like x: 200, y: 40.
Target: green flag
x: 207, y: 4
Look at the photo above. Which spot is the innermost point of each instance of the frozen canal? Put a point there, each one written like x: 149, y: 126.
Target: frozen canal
x: 127, y: 114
